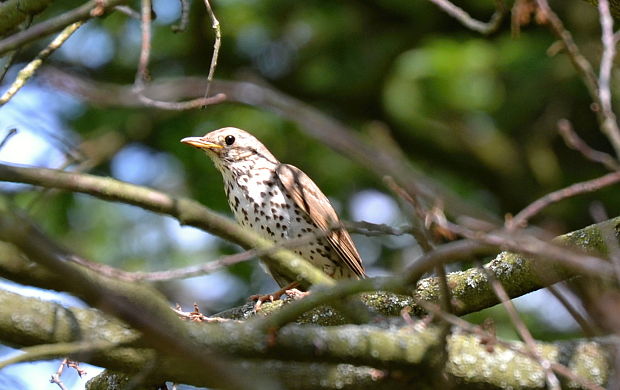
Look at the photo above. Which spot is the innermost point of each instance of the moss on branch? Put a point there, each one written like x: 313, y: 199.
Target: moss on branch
x: 397, y: 354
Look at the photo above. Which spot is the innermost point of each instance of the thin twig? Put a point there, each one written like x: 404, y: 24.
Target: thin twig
x: 477, y: 330
x: 215, y: 24
x: 7, y: 137
x: 89, y: 10
x: 142, y: 74
x: 605, y: 116
x: 9, y: 61
x: 56, y: 377
x: 459, y: 14
x: 573, y: 141
x: 211, y: 266
x: 124, y: 9
x: 610, y: 124
x: 418, y: 228
x: 374, y: 229
x: 527, y: 244
x: 195, y: 270
x: 29, y: 70
x: 184, y: 19
x: 524, y: 333
x: 182, y: 106
x: 583, y: 323
x: 579, y: 61
x: 521, y: 219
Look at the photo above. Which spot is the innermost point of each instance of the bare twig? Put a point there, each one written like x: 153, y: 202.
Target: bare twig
x: 91, y: 9
x: 7, y: 64
x: 579, y: 61
x: 124, y: 9
x: 56, y: 377
x: 484, y: 334
x: 29, y: 70
x: 522, y: 243
x: 610, y: 124
x: 373, y: 229
x: 215, y: 24
x: 524, y: 333
x: 520, y: 220
x: 191, y: 271
x: 575, y: 142
x: 604, y: 114
x: 181, y: 106
x: 184, y: 20
x: 459, y: 14
x: 583, y: 322
x: 209, y: 267
x: 197, y: 316
x: 142, y: 74
x: 7, y: 137
x: 418, y: 228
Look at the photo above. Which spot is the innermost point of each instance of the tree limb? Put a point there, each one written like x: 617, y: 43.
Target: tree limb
x: 397, y: 355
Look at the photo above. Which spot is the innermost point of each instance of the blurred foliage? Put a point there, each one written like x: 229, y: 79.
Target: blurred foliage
x: 477, y: 113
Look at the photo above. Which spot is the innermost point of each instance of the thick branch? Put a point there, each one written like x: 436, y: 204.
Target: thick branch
x: 327, y: 130
x: 187, y: 211
x: 383, y: 348
x: 16, y: 11
x: 470, y: 289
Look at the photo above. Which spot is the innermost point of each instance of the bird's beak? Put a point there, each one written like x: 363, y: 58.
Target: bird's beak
x: 200, y: 143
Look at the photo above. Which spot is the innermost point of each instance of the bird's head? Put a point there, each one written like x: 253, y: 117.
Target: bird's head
x: 229, y: 145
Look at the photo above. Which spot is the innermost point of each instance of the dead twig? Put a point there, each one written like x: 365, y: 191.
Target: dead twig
x: 7, y: 137
x: 486, y: 335
x: 524, y: 243
x: 520, y: 220
x: 573, y: 141
x: 215, y: 24
x: 142, y: 73
x: 524, y: 332
x: 466, y: 20
x: 610, y: 124
x: 56, y: 377
x: 184, y: 20
x: 29, y: 70
x: 583, y: 322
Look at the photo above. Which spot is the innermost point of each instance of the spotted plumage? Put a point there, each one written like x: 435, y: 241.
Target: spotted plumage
x: 279, y: 202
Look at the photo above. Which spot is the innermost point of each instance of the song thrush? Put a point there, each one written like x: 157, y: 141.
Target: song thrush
x: 279, y: 202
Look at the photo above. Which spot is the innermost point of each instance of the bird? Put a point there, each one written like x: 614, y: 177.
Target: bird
x: 280, y: 202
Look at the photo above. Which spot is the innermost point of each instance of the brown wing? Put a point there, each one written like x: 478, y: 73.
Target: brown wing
x: 310, y: 199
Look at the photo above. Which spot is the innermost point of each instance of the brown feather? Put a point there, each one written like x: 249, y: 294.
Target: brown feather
x: 315, y: 204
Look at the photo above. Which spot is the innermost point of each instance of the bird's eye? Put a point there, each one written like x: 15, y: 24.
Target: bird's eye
x: 230, y: 139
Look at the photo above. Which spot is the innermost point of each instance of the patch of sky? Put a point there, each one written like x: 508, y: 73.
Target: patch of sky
x: 167, y: 12
x: 38, y: 114
x: 90, y: 46
x: 139, y: 164
x: 374, y: 207
x: 35, y: 375
x: 548, y: 309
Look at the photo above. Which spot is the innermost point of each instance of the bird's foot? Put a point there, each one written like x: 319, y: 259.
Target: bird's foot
x: 275, y: 296
x: 296, y: 294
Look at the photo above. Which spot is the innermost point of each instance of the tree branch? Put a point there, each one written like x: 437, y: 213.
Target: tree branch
x: 327, y: 130
x: 295, y: 349
x: 15, y: 12
x: 91, y: 9
x: 187, y: 211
